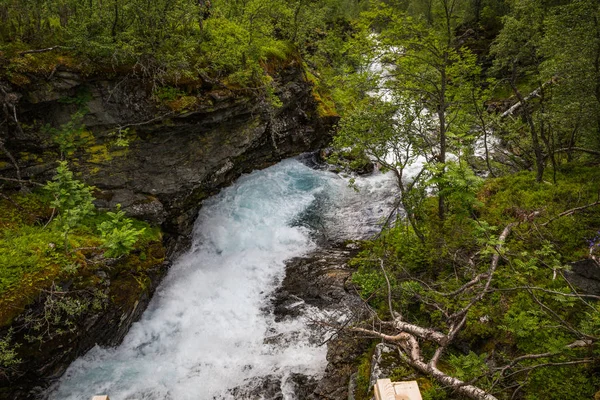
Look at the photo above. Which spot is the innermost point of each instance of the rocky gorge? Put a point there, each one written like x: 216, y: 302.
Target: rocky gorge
x: 176, y: 157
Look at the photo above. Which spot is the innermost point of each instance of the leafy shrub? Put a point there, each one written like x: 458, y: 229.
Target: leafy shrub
x: 118, y: 234
x: 8, y: 354
x: 72, y: 198
x: 69, y: 136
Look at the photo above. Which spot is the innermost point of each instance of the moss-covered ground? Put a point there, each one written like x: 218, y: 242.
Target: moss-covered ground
x: 34, y: 254
x: 511, y: 320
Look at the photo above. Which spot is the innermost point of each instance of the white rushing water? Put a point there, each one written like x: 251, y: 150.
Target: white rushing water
x: 208, y: 326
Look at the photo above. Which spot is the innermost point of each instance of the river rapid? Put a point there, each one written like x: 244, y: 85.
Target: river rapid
x: 208, y: 328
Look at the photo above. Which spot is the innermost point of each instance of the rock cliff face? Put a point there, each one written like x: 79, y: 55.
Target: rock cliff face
x: 180, y: 152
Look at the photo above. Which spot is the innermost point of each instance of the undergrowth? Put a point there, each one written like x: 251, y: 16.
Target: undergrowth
x: 509, y: 321
x: 34, y: 254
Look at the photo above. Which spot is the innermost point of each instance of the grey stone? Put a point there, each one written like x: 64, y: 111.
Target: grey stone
x: 585, y: 274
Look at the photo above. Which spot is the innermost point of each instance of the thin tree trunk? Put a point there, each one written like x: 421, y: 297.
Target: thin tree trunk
x: 546, y: 135
x: 537, y: 150
x: 479, y: 112
x: 597, y: 87
x: 442, y: 156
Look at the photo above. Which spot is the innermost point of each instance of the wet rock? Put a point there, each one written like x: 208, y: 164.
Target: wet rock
x: 172, y: 163
x: 321, y: 281
x: 173, y: 160
x: 342, y: 354
x: 585, y: 274
x: 121, y: 296
x: 276, y: 387
x: 136, y: 205
x: 341, y: 161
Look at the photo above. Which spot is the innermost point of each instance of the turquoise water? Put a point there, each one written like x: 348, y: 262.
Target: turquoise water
x: 207, y: 327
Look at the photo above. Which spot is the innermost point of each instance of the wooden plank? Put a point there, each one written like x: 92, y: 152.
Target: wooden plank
x: 384, y: 390
x: 408, y: 390
x: 104, y: 397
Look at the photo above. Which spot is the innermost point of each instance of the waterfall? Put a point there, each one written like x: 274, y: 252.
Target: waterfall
x: 208, y: 326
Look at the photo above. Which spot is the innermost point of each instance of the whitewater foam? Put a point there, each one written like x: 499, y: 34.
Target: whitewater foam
x: 208, y: 326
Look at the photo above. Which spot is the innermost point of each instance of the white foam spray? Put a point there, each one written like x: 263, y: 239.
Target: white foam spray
x: 208, y: 326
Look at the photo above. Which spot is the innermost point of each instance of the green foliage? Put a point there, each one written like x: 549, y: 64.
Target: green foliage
x: 370, y: 282
x: 460, y: 186
x: 69, y: 136
x: 168, y: 93
x: 118, y: 234
x: 470, y: 366
x: 122, y: 140
x: 570, y: 382
x: 363, y: 377
x: 167, y: 40
x: 60, y: 313
x: 41, y: 234
x: 72, y: 198
x: 27, y: 250
x: 8, y: 354
x: 528, y: 297
x: 519, y: 194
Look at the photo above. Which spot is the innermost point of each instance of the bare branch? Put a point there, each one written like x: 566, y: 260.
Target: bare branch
x: 464, y: 287
x: 46, y: 50
x: 495, y: 260
x: 559, y: 319
x: 389, y: 290
x: 578, y: 295
x: 580, y: 149
x: 457, y: 385
x: 531, y: 95
x: 551, y: 364
x: 121, y: 127
x: 571, y: 212
x: 20, y: 181
x: 576, y: 344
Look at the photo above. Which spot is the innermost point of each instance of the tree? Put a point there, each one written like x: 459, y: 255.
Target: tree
x: 539, y: 315
x: 373, y: 128
x: 574, y: 59
x: 516, y: 52
x: 430, y: 80
x: 561, y: 72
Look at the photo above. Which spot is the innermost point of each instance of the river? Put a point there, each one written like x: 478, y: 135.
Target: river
x: 208, y: 326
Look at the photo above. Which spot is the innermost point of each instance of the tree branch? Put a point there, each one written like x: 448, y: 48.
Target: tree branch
x: 571, y: 212
x: 20, y: 181
x: 580, y: 149
x: 531, y: 95
x: 389, y: 290
x: 46, y: 50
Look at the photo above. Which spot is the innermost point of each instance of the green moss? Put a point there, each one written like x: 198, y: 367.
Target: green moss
x: 508, y: 322
x: 103, y: 153
x: 325, y: 103
x: 517, y: 196
x: 363, y: 377
x: 98, y: 154
x: 33, y: 253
